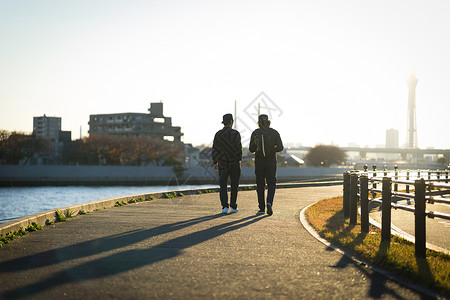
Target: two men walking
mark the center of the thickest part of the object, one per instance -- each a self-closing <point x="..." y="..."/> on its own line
<point x="227" y="155"/>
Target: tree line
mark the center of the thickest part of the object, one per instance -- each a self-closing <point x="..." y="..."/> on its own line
<point x="16" y="147"/>
<point x="19" y="147"/>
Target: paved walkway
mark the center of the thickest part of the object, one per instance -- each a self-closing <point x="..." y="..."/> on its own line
<point x="437" y="229"/>
<point x="182" y="248"/>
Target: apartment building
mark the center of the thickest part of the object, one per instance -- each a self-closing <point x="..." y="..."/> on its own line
<point x="47" y="127"/>
<point x="152" y="125"/>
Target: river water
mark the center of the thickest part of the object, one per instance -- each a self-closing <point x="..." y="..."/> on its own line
<point x="17" y="202"/>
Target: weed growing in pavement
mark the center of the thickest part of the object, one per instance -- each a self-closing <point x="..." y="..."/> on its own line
<point x="59" y="216"/>
<point x="69" y="213"/>
<point x="33" y="227"/>
<point x="82" y="212"/>
<point x="172" y="195"/>
<point x="119" y="203"/>
<point x="327" y="218"/>
<point x="141" y="199"/>
<point x="13" y="235"/>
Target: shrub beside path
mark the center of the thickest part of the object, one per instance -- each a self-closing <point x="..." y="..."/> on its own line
<point x="183" y="248"/>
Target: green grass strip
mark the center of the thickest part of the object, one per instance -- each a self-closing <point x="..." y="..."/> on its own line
<point x="327" y="218"/>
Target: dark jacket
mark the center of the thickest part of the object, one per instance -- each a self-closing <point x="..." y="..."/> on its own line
<point x="265" y="143"/>
<point x="227" y="145"/>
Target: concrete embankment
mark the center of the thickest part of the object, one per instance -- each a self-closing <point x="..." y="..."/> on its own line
<point x="12" y="175"/>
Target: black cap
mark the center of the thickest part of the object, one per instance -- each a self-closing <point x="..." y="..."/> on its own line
<point x="263" y="118"/>
<point x="227" y="118"/>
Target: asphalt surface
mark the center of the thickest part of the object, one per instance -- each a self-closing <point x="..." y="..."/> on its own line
<point x="183" y="248"/>
<point x="437" y="229"/>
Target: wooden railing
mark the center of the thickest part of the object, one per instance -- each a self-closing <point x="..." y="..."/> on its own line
<point x="429" y="187"/>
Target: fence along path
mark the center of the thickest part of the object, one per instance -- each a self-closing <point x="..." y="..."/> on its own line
<point x="434" y="189"/>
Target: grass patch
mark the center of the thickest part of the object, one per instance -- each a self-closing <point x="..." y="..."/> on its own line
<point x="10" y="236"/>
<point x="118" y="203"/>
<point x="327" y="218"/>
<point x="59" y="216"/>
<point x="69" y="213"/>
<point x="246" y="188"/>
<point x="173" y="195"/>
<point x="33" y="227"/>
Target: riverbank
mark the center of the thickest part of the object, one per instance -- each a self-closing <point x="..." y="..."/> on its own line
<point x="40" y="218"/>
<point x="183" y="247"/>
<point x="49" y="175"/>
<point x="16" y="202"/>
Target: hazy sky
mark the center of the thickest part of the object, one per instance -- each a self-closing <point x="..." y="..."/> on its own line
<point x="333" y="71"/>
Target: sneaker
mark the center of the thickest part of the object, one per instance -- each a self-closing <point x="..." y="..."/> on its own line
<point x="225" y="210"/>
<point x="269" y="209"/>
<point x="234" y="210"/>
<point x="260" y="212"/>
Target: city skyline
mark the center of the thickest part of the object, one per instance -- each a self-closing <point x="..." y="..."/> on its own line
<point x="335" y="73"/>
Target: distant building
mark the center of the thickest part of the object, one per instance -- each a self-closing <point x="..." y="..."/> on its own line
<point x="153" y="125"/>
<point x="192" y="154"/>
<point x="205" y="156"/>
<point x="392" y="138"/>
<point x="47" y="127"/>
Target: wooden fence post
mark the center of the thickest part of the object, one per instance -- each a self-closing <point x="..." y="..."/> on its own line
<point x="374" y="185"/>
<point x="396" y="178"/>
<point x="353" y="198"/>
<point x="419" y="216"/>
<point x="364" y="182"/>
<point x="407" y="178"/>
<point x="386" y="210"/>
<point x="346" y="200"/>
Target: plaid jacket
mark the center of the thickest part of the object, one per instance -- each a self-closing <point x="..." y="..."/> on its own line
<point x="227" y="145"/>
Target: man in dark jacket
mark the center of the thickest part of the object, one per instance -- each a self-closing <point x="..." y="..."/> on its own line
<point x="227" y="156"/>
<point x="265" y="142"/>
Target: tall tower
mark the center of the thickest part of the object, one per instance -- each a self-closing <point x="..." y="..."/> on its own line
<point x="411" y="126"/>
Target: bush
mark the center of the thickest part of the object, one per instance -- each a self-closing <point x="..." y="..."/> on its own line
<point x="325" y="155"/>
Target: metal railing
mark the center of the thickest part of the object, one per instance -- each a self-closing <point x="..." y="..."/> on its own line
<point x="430" y="186"/>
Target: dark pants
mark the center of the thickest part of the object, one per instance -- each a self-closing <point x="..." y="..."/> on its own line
<point x="265" y="171"/>
<point x="232" y="170"/>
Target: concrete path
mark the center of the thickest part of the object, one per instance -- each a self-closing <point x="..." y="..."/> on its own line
<point x="183" y="248"/>
<point x="437" y="230"/>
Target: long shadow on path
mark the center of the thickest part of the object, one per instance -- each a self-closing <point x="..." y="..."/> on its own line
<point x="378" y="288"/>
<point x="94" y="247"/>
<point x="131" y="259"/>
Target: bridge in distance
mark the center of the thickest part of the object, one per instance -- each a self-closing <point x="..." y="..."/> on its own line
<point x="416" y="153"/>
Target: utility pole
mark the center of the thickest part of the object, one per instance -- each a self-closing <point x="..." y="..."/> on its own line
<point x="235" y="114"/>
